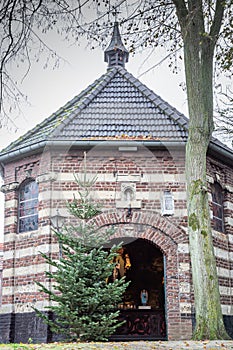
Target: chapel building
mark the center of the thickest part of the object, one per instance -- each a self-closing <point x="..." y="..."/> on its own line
<point x="134" y="142"/>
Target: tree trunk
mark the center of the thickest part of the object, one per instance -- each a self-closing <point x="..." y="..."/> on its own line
<point x="198" y="53"/>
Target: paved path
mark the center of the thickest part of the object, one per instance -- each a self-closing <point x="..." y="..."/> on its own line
<point x="137" y="345"/>
<point x="170" y="345"/>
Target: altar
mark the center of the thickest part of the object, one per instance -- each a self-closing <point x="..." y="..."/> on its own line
<point x="141" y="324"/>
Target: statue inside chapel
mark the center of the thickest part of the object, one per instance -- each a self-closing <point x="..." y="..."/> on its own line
<point x="144" y="297"/>
<point x="122" y="264"/>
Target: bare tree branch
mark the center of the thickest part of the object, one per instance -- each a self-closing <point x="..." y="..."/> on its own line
<point x="217" y="22"/>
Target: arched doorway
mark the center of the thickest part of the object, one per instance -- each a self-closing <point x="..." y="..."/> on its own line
<point x="143" y="319"/>
<point x="172" y="241"/>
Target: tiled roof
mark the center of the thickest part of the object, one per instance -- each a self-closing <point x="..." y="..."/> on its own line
<point x="115" y="106"/>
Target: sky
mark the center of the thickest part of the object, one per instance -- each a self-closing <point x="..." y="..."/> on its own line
<point x="49" y="89"/>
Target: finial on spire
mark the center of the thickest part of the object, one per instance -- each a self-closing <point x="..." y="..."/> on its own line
<point x="116" y="54"/>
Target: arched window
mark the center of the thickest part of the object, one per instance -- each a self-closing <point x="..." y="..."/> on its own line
<point x="217" y="204"/>
<point x="28" y="207"/>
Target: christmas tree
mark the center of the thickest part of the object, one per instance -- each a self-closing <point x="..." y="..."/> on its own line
<point x="83" y="302"/>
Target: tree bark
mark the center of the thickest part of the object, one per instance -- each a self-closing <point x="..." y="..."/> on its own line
<point x="199" y="55"/>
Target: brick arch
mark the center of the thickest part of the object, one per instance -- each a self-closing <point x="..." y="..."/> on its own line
<point x="172" y="235"/>
<point x="166" y="236"/>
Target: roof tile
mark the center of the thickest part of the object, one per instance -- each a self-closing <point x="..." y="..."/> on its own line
<point x="115" y="104"/>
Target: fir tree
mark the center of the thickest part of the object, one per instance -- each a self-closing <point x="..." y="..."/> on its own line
<point x="84" y="304"/>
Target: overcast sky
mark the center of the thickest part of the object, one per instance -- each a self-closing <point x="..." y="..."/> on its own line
<point x="49" y="89"/>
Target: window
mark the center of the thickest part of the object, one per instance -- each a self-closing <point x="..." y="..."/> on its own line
<point x="167" y="203"/>
<point x="217" y="203"/>
<point x="28" y="207"/>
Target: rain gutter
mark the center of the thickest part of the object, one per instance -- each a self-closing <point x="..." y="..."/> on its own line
<point x="35" y="148"/>
<point x="214" y="148"/>
<point x="218" y="150"/>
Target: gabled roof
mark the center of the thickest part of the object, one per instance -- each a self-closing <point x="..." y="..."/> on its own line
<point x="116" y="106"/>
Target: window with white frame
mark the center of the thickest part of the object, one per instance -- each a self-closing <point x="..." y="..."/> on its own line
<point x="167" y="203"/>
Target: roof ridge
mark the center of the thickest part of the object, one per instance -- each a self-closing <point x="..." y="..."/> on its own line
<point x="103" y="81"/>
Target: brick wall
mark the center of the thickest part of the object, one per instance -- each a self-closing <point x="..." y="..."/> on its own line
<point x="223" y="242"/>
<point x="1" y="268"/>
<point x="149" y="174"/>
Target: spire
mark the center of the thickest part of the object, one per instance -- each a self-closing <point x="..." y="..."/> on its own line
<point x="116" y="54"/>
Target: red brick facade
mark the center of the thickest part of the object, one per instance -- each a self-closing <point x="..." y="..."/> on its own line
<point x="148" y="175"/>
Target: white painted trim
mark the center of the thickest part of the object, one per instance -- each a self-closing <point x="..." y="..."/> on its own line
<point x="31" y="251"/>
<point x="12" y="203"/>
<point x="183" y="248"/>
<point x="229" y="188"/>
<point x="140" y="195"/>
<point x="11" y="220"/>
<point x="11" y="237"/>
<point x="227" y="309"/>
<point x="223" y="272"/>
<point x="228" y="220"/>
<point x="184" y="287"/>
<point x="183" y="267"/>
<point x="226" y="290"/>
<point x="228" y="205"/>
<point x="23" y="289"/>
<point x="25" y="270"/>
<point x="223" y="254"/>
<point x="185" y="307"/>
<point x="109" y="177"/>
<point x="23" y="308"/>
